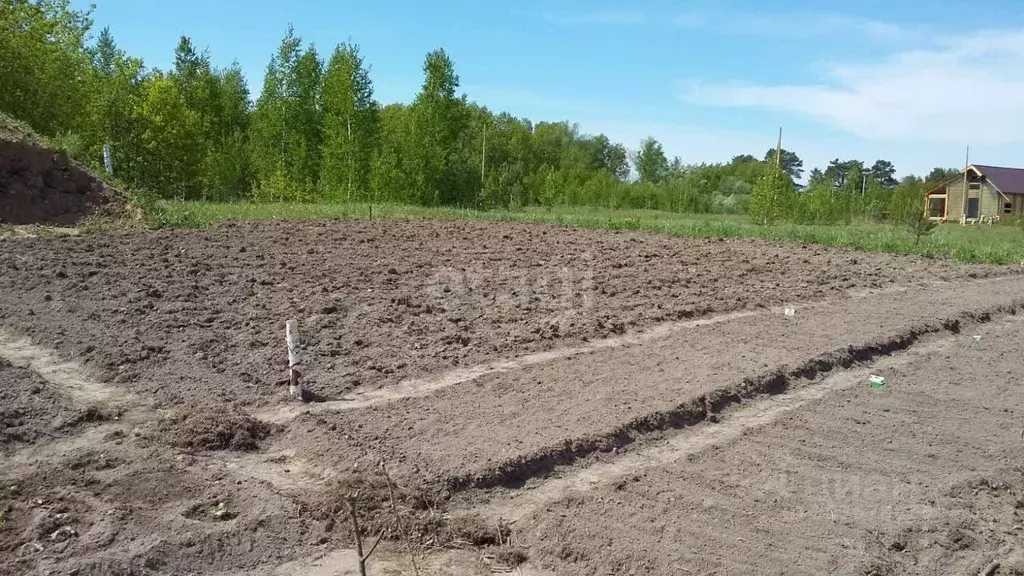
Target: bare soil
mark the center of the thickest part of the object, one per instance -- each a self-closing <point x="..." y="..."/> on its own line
<point x="501" y="396"/>
<point x="923" y="476"/>
<point x="33" y="409"/>
<point x="170" y="314"/>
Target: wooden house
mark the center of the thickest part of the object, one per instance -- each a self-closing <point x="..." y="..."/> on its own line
<point x="977" y="194"/>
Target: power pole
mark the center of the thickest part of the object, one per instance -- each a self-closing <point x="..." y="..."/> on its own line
<point x="483" y="158"/>
<point x="967" y="164"/>
<point x="351" y="164"/>
<point x="778" y="151"/>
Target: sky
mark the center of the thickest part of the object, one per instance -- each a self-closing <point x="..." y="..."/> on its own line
<point x="911" y="82"/>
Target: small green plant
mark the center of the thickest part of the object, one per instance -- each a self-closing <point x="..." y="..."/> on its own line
<point x="921" y="226"/>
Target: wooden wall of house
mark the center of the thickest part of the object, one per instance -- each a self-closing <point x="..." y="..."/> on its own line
<point x="991" y="202"/>
<point x="955" y="199"/>
<point x="1017" y="205"/>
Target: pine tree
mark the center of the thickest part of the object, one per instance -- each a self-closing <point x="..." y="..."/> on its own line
<point x="350" y="125"/>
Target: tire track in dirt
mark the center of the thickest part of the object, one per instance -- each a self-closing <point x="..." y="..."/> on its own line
<point x="279" y="469"/>
<point x="343" y="562"/>
<point x="71" y="376"/>
<point x="74" y="381"/>
<point x="513" y="505"/>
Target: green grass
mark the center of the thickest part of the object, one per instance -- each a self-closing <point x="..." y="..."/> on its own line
<point x="990" y="244"/>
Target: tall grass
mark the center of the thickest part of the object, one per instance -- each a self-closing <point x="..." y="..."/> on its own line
<point x="990" y="244"/>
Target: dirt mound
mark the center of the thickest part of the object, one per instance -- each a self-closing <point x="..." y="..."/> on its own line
<point x="41" y="186"/>
<point x="217" y="428"/>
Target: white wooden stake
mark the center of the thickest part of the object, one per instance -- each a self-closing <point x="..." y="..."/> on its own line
<point x="291" y="334"/>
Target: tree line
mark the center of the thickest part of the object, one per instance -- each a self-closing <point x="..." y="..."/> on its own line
<point x="315" y="132"/>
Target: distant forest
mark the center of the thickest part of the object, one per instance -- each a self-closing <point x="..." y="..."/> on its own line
<point x="315" y="133"/>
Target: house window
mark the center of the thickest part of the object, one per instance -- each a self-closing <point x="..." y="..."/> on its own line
<point x="974" y="186"/>
<point x="1007" y="207"/>
<point x="936" y="207"/>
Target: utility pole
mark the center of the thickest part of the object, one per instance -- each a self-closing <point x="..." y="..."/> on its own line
<point x="778" y="151"/>
<point x="351" y="164"/>
<point x="483" y="158"/>
<point x="967" y="164"/>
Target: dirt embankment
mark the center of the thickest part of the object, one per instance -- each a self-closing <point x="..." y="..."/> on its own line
<point x="39" y="185"/>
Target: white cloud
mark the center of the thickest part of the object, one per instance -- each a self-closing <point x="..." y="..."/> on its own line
<point x="598" y="18"/>
<point x="965" y="89"/>
<point x="796" y="26"/>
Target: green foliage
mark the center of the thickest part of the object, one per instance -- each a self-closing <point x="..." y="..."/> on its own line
<point x="439" y="122"/>
<point x="820" y="204"/>
<point x="43" y="60"/>
<point x="907" y="202"/>
<point x="939" y="175"/>
<point x="315" y="134"/>
<point x="287" y="125"/>
<point x="789" y="162"/>
<point x="884" y="173"/>
<point x="117" y="109"/>
<point x="771" y="198"/>
<point x="170" y="140"/>
<point x="650" y="161"/>
<point x="350" y="126"/>
<point x="177" y="214"/>
<point x="71" y="145"/>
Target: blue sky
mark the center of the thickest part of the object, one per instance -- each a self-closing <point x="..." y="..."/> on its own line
<point x="908" y="81"/>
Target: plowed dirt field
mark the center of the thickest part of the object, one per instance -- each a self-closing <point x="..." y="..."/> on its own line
<point x="499" y="397"/>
